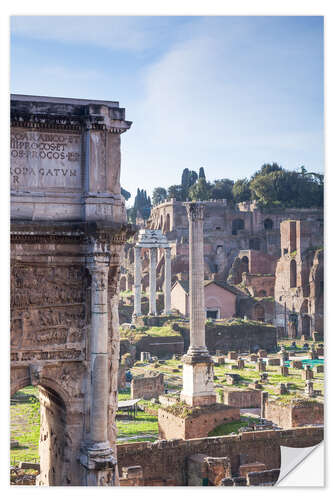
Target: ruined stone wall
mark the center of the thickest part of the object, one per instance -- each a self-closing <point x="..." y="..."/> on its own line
<point x="242" y="399"/>
<point x="199" y="425"/>
<point x="299" y="279"/>
<point x="147" y="387"/>
<point x="221" y="245"/>
<point x="295" y="415"/>
<point x="236" y="337"/>
<point x="160" y="346"/>
<point x="259" y="286"/>
<point x="167" y="460"/>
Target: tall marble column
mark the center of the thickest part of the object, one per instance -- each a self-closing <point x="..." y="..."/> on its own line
<point x="137" y="282"/>
<point x="97" y="456"/>
<point x="167" y="281"/>
<point x="152" y="281"/>
<point x="198" y="375"/>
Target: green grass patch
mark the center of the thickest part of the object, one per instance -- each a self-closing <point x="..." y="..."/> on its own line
<point x="225" y="429"/>
<point x="133" y="429"/>
<point x="25" y="425"/>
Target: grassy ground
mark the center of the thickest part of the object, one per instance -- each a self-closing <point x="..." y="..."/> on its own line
<point x="225" y="429"/>
<point x="24" y="420"/>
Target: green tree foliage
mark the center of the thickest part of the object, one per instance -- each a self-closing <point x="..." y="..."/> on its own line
<point x="241" y="190"/>
<point x="159" y="195"/>
<point x="200" y="191"/>
<point x="287" y="189"/>
<point x="125" y="194"/>
<point x="267" y="168"/>
<point x="178" y="192"/>
<point x="189" y="177"/>
<point x="141" y="208"/>
<point x="202" y="174"/>
<point x="222" y="189"/>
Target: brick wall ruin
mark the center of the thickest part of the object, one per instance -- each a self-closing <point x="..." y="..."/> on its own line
<point x="165" y="462"/>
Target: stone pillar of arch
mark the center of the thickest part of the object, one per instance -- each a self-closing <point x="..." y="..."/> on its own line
<point x="97" y="456"/>
<point x="137" y="282"/>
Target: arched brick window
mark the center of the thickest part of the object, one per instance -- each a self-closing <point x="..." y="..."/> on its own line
<point x="268" y="224"/>
<point x="237" y="225"/>
<point x="293" y="277"/>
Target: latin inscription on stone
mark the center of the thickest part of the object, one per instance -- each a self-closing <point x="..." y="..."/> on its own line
<point x="49" y="160"/>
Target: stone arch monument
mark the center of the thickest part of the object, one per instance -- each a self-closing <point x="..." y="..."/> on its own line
<point x="68" y="229"/>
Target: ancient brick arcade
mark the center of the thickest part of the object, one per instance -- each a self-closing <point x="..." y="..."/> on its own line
<point x="68" y="228"/>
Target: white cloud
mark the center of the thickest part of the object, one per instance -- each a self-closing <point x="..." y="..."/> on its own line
<point x="132" y="33"/>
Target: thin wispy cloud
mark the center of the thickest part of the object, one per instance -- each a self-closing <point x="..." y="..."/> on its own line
<point x="227" y="93"/>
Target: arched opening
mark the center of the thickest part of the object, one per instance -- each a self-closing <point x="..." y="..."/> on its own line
<point x="131" y="255"/>
<point x="167" y="224"/>
<point x="237" y="225"/>
<point x="306" y="324"/>
<point x="245" y="264"/>
<point x="293" y="277"/>
<point x="122" y="284"/>
<point x="38" y="434"/>
<point x="259" y="313"/>
<point x="268" y="224"/>
<point x="161" y="223"/>
<point x="254" y="244"/>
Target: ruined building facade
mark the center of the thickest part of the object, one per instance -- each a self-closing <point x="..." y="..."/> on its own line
<point x="68" y="229"/>
<point x="299" y="287"/>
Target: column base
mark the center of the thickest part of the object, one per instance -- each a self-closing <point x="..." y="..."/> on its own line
<point x="198" y="381"/>
<point x="99" y="463"/>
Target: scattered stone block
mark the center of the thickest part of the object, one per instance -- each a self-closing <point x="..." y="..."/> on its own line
<point x="232" y="355"/>
<point x="262" y="353"/>
<point x="232" y="378"/>
<point x="253" y="357"/>
<point x="264" y="377"/>
<point x="296" y="364"/>
<point x="309" y="388"/>
<point x="307" y="374"/>
<point x="273" y="361"/>
<point x="282" y="389"/>
<point x="261" y="365"/>
<point x="240" y="364"/>
<point x="284" y="371"/>
<point x="255" y="385"/>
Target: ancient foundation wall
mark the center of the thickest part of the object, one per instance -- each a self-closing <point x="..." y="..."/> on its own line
<point x="242" y="399"/>
<point x="160" y="346"/>
<point x="147" y="387"/>
<point x="304" y="413"/>
<point x="166" y="461"/>
<point x="238" y="337"/>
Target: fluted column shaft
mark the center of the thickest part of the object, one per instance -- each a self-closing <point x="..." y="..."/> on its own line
<point x="137" y="281"/>
<point x="167" y="281"/>
<point x="152" y="281"/>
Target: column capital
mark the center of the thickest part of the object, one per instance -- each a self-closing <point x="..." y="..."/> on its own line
<point x="195" y="210"/>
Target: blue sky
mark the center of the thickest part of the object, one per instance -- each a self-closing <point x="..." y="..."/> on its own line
<point x="226" y="93"/>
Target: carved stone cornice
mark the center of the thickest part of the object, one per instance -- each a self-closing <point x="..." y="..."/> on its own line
<point x="42" y="232"/>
